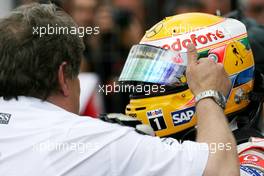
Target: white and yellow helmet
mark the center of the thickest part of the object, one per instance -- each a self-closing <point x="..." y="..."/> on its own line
<point x="160" y="59"/>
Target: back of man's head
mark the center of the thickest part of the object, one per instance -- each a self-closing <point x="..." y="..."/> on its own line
<point x="34" y="42"/>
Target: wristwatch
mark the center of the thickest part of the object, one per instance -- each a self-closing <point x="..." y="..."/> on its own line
<point x="217" y="96"/>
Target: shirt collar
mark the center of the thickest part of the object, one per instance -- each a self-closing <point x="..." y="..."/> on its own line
<point x="31" y="102"/>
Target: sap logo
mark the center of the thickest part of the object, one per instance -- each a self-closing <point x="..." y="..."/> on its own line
<point x="154" y="113"/>
<point x="183" y="116"/>
<point x="4" y="118"/>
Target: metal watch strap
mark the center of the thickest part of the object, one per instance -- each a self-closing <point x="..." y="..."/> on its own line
<point x="218" y="97"/>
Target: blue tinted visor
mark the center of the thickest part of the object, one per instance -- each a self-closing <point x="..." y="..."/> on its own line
<point x="156" y="65"/>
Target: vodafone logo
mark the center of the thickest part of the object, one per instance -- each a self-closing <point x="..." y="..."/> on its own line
<point x="202" y="39"/>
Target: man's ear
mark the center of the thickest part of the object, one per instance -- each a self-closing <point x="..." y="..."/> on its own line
<point x="63" y="82"/>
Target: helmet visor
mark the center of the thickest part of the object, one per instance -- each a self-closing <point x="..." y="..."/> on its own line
<point x="156" y="65"/>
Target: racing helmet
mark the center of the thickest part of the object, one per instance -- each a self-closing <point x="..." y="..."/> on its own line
<point x="160" y="61"/>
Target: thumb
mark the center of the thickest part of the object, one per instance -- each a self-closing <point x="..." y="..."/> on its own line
<point x="192" y="54"/>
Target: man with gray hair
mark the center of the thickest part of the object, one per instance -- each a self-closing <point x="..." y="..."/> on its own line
<point x="42" y="133"/>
